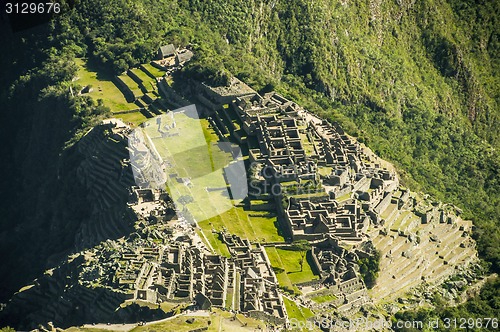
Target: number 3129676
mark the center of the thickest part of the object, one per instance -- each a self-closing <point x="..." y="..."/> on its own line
<point x="33" y="8"/>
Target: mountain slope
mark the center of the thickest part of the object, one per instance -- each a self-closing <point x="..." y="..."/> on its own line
<point x="413" y="80"/>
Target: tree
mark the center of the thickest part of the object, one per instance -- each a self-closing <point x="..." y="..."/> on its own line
<point x="302" y="246"/>
<point x="369" y="267"/>
<point x="278" y="270"/>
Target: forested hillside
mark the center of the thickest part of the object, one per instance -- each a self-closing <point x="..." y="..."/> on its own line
<point x="417" y="81"/>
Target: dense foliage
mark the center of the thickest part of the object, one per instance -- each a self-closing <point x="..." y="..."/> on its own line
<point x="369" y="268"/>
<point x="417" y="81"/>
<point x="480" y="308"/>
<point x="41" y="116"/>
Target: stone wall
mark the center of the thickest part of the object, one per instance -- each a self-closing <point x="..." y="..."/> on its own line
<point x="267" y="317"/>
<point x="129" y="95"/>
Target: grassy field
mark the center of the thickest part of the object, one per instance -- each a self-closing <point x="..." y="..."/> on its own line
<point x="216" y="243"/>
<point x="299" y="315"/>
<point x="135" y="118"/>
<point x="322" y="298"/>
<point x="174" y="307"/>
<point x="216" y="321"/>
<point x="265" y="226"/>
<point x="324" y="170"/>
<point x="234" y="221"/>
<point x="297" y="311"/>
<point x="178" y="324"/>
<point x="252" y="225"/>
<point x="200" y="159"/>
<point x="83" y="329"/>
<point x="217" y="159"/>
<point x="289" y="262"/>
<point x="103" y="87"/>
<point x="195" y="163"/>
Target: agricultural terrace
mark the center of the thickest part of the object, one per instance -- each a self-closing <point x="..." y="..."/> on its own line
<point x="138" y="82"/>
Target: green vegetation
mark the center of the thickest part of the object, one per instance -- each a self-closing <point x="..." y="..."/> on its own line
<point x="131" y="84"/>
<point x="232" y="221"/>
<point x="135" y="118"/>
<point x="103" y="87"/>
<point x="153" y="70"/>
<point x="302" y="246"/>
<point x="486" y="304"/>
<point x="323" y="298"/>
<point x="416" y="81"/>
<point x="287" y="265"/>
<point x="176" y="324"/>
<point x="251" y="225"/>
<point x="195" y="173"/>
<point x="218" y="321"/>
<point x="148" y="82"/>
<point x="297" y="311"/>
<point x="266" y="226"/>
<point x="215" y="241"/>
<point x="199" y="164"/>
<point x="369" y="267"/>
<point x="217" y="159"/>
<point x="83" y="329"/>
<point x="418" y="92"/>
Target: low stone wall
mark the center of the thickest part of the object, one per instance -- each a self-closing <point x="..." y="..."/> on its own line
<point x="127" y="112"/>
<point x="145" y="70"/>
<point x="129" y="95"/>
<point x="148" y="99"/>
<point x="200" y="329"/>
<point x="266" y="317"/>
<point x="157" y="66"/>
<point x="342" y="192"/>
<point x="308" y="237"/>
<point x="210" y="105"/>
<point x="310" y="283"/>
<point x="384" y="203"/>
<point x="138" y="81"/>
<point x="261" y="207"/>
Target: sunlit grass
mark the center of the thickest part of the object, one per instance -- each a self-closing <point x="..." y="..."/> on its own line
<point x="289" y="261"/>
<point x="103" y="87"/>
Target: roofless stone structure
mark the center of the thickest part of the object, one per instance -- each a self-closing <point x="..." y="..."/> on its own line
<point x="325" y="187"/>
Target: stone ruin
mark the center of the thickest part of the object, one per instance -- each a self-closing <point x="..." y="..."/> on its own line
<point x="325" y="184"/>
<point x="326" y="187"/>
